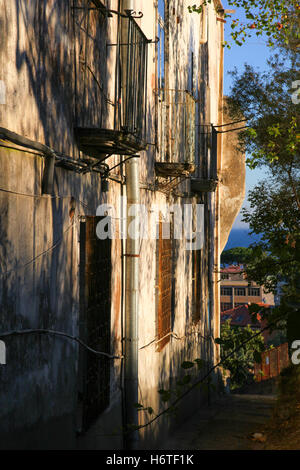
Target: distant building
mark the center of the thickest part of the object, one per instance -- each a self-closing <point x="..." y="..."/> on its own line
<point x="236" y="290"/>
<point x="240" y="317"/>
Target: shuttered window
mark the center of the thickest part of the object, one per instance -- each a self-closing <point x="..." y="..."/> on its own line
<point x="254" y="291"/>
<point x="95" y="300"/>
<point x="241" y="291"/>
<point x="196" y="285"/>
<point x="164" y="308"/>
<point x="226" y="290"/>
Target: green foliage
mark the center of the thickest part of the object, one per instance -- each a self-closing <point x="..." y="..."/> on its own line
<point x="244" y="349"/>
<point x="165" y="395"/>
<point x="200" y="363"/>
<point x="182" y="384"/>
<point x="273" y="141"/>
<point x="187" y="365"/>
<point x="142" y="408"/>
<point x="138" y="405"/>
<point x="277" y="19"/>
<point x="239" y="255"/>
<point x="265" y="100"/>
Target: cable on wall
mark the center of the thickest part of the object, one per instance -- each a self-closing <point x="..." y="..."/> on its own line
<point x="48" y="153"/>
<point x="57" y="333"/>
<point x="48" y="250"/>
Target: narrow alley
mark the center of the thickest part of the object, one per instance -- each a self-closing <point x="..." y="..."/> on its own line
<point x="225" y="425"/>
<point x="149" y="227"/>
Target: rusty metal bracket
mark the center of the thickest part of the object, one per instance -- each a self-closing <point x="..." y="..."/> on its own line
<point x="48" y="153"/>
<point x="128" y="13"/>
<point x="149" y="41"/>
<point x="153" y="41"/>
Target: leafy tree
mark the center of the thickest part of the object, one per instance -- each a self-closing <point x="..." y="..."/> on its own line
<point x="273" y="141"/>
<point x="266" y="101"/>
<point x="239" y="255"/>
<point x="278" y="20"/>
<point x="273" y="213"/>
<point x="241" y="362"/>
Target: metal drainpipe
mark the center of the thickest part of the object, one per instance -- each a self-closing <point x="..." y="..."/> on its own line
<point x="131" y="280"/>
<point x="131" y="306"/>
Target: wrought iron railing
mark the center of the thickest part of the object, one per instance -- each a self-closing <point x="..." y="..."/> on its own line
<point x="213" y="153"/>
<point x="207" y="152"/>
<point x="123" y="67"/>
<point x="176" y="126"/>
<point x="133" y="77"/>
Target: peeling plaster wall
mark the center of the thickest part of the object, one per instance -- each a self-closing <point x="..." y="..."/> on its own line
<point x="232" y="181"/>
<point x="41" y="65"/>
<point x="46" y="68"/>
<point x="162" y="369"/>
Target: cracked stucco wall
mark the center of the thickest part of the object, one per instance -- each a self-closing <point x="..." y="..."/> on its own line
<point x="232" y="181"/>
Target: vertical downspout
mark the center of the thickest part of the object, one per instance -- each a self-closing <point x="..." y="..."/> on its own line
<point x="131" y="305"/>
<point x="131" y="281"/>
<point x="217" y="330"/>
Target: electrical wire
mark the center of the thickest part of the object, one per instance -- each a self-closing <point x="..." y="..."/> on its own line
<point x="175" y="336"/>
<point x="48" y="250"/>
<point x="46" y="196"/>
<point x="107" y="100"/>
<point x="58" y="333"/>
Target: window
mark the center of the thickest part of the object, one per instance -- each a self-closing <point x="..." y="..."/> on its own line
<point x="225" y="306"/>
<point x="254" y="291"/>
<point x="226" y="290"/>
<point x="192" y="73"/>
<point x="164" y="277"/>
<point x="196" y="254"/>
<point x="161" y="45"/>
<point x="241" y="291"/>
<point x="224" y="276"/>
<point x="161" y="117"/>
<point x="94" y="323"/>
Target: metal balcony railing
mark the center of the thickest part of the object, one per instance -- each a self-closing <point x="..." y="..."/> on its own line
<point x="133" y="78"/>
<point x="127" y="135"/>
<point x="213" y="153"/>
<point x="176" y="126"/>
<point x="206" y="177"/>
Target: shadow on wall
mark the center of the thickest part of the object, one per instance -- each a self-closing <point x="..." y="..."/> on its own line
<point x="39" y="377"/>
<point x="170" y="373"/>
<point x="232" y="180"/>
<point x="64" y="52"/>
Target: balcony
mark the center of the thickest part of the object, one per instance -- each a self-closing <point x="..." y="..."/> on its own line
<point x="209" y="180"/>
<point x="176" y="133"/>
<point x="128" y="135"/>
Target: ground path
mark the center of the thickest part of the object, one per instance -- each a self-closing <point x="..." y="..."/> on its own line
<point x="225" y="425"/>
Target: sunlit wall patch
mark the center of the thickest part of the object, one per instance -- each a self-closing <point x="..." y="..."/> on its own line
<point x="2" y="92"/>
<point x="2" y="353"/>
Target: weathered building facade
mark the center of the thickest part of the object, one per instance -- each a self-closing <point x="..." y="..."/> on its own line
<point x="237" y="290"/>
<point x="95" y="110"/>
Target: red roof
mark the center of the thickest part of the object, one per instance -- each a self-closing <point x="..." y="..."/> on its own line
<point x="262" y="304"/>
<point x="240" y="316"/>
<point x="233" y="269"/>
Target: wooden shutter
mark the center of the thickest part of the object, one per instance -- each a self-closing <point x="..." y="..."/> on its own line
<point x="95" y="292"/>
<point x="164" y="288"/>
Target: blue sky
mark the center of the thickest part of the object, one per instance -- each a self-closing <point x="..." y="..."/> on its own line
<point x="253" y="52"/>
